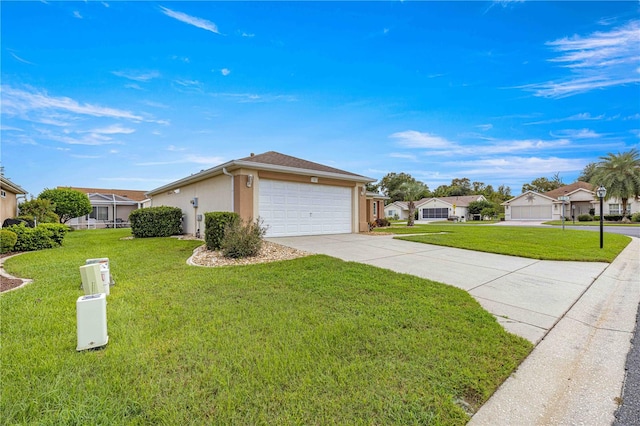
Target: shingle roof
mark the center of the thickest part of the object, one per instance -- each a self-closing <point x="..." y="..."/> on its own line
<point x="277" y="159"/>
<point x="12" y="187"/>
<point x="569" y="189"/>
<point x="460" y="201"/>
<point x="127" y="193"/>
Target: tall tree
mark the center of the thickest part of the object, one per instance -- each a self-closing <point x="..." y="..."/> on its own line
<point x="68" y="203"/>
<point x="543" y="184"/>
<point x="587" y="172"/>
<point x="412" y="192"/>
<point x="620" y="175"/>
<point x="391" y="185"/>
<point x="41" y="209"/>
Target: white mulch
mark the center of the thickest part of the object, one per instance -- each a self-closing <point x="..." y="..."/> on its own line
<point x="271" y="252"/>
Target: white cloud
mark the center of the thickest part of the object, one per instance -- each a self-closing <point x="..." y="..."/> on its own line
<point x="600" y="60"/>
<point x="188" y="83"/>
<point x="174" y="148"/>
<point x="577" y="134"/>
<point x="523" y="167"/>
<point x="576" y="117"/>
<point x="112" y="130"/>
<point x="225" y="71"/>
<point x="77" y="14"/>
<point x="22" y="101"/>
<point x="17" y="58"/>
<point x="191" y="20"/>
<point x="137" y="75"/>
<point x="415" y="139"/>
<point x="194" y="159"/>
<point x="403" y="156"/>
<point x="485" y="127"/>
<point x="244" y="34"/>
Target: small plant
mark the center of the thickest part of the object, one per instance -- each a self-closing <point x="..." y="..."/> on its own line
<point x="57" y="231"/>
<point x="243" y="239"/>
<point x="382" y="222"/>
<point x="8" y="240"/>
<point x="215" y="224"/>
<point x="585" y="218"/>
<point x="635" y="217"/>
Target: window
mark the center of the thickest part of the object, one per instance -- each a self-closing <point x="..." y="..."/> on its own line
<point x="99" y="213"/>
<point x="617" y="209"/>
<point x="391" y="212"/>
<point x="375" y="208"/>
<point x="3" y="194"/>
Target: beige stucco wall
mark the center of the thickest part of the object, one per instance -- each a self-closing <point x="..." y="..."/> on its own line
<point x="214" y="195"/>
<point x="8" y="206"/>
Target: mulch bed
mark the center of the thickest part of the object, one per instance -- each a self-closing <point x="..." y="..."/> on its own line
<point x="7" y="283"/>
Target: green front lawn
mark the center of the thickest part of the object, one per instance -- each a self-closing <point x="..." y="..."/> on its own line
<point x="532" y="242"/>
<point x="589" y="223"/>
<point x="309" y="341"/>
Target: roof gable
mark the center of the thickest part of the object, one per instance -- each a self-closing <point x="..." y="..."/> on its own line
<point x="10" y="186"/>
<point x="277" y="159"/>
<point x="567" y="189"/>
<point x="129" y="194"/>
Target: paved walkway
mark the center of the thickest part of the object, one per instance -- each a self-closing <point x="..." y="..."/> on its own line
<point x="580" y="315"/>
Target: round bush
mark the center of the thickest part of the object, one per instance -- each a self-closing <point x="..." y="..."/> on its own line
<point x="585" y="218"/>
<point x="635" y="217"/>
<point x="8" y="240"/>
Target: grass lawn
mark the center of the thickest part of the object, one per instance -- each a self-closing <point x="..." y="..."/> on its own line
<point x="308" y="341"/>
<point x="590" y="223"/>
<point x="536" y="243"/>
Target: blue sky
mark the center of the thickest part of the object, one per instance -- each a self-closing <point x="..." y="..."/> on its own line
<point x="134" y="95"/>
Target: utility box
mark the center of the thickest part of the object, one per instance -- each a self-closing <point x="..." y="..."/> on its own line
<point x="92" y="279"/>
<point x="105" y="273"/>
<point x="91" y="312"/>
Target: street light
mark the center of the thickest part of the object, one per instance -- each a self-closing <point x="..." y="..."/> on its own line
<point x="601" y="192"/>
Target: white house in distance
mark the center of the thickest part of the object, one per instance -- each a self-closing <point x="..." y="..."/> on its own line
<point x="582" y="198"/>
<point x="434" y="208"/>
<point x="291" y="195"/>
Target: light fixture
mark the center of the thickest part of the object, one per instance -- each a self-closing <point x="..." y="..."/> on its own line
<point x="249" y="181"/>
<point x="601" y="192"/>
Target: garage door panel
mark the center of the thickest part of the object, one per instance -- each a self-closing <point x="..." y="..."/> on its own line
<point x="531" y="212"/>
<point x="290" y="208"/>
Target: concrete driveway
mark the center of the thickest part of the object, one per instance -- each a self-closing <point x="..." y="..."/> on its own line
<point x="527" y="296"/>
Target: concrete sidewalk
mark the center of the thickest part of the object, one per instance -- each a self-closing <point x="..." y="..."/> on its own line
<point x="576" y="371"/>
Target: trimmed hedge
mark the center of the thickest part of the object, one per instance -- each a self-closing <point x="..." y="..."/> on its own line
<point x="156" y="222"/>
<point x="8" y="240"/>
<point x="30" y="239"/>
<point x="215" y="224"/>
<point x="585" y="218"/>
<point x="57" y="231"/>
<point x="635" y="217"/>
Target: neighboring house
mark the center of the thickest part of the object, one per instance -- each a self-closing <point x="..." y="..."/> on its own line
<point x="291" y="195"/>
<point x="110" y="207"/>
<point x="435" y="208"/>
<point x="397" y="209"/>
<point x="582" y="199"/>
<point x="9" y="193"/>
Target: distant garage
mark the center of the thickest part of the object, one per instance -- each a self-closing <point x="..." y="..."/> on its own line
<point x="293" y="208"/>
<point x="531" y="212"/>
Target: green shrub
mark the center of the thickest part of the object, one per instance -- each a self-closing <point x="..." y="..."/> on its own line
<point x="30" y="239"/>
<point x="28" y="221"/>
<point x="383" y="222"/>
<point x="156" y="222"/>
<point x="585" y="218"/>
<point x="596" y="217"/>
<point x="214" y="226"/>
<point x="635" y="217"/>
<point x="57" y="231"/>
<point x="613" y="217"/>
<point x="243" y="239"/>
<point x="8" y="240"/>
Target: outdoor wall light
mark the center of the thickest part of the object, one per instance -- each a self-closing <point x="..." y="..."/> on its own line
<point x="249" y="181"/>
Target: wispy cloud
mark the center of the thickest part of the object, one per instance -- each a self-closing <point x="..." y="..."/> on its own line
<point x="112" y="130"/>
<point x="77" y="14"/>
<point x="137" y="75"/>
<point x="403" y="156"/>
<point x="188" y="83"/>
<point x="576" y="117"/>
<point x="597" y="61"/>
<point x="245" y="34"/>
<point x="22" y="101"/>
<point x="191" y="20"/>
<point x="194" y="159"/>
<point x="18" y="58"/>
<point x="415" y="139"/>
<point x="576" y="134"/>
<point x="255" y="98"/>
<point x="225" y="71"/>
<point x="485" y="127"/>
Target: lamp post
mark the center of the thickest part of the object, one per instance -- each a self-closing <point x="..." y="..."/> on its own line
<point x="601" y="192"/>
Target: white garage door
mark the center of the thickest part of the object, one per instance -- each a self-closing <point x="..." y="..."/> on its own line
<point x="531" y="212"/>
<point x="290" y="208"/>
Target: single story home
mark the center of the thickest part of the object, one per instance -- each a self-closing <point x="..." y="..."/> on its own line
<point x="110" y="208"/>
<point x="9" y="193"/>
<point x="291" y="195"/>
<point x="581" y="199"/>
<point x="375" y="206"/>
<point x="434" y="208"/>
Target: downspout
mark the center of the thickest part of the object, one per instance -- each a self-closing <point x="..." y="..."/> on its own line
<point x="224" y="170"/>
<point x="114" y="210"/>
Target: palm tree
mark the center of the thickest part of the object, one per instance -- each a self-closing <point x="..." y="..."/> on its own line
<point x="620" y="175"/>
<point x="412" y="192"/>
